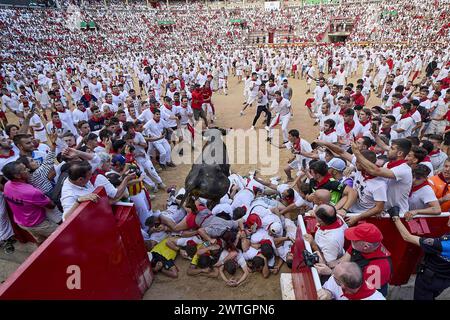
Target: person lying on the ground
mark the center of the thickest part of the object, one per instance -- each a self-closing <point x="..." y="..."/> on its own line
<point x="163" y="259"/>
<point x="290" y="200"/>
<point x="203" y="261"/>
<point x="229" y="261"/>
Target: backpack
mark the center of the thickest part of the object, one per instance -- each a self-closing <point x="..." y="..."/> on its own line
<point x="55" y="195"/>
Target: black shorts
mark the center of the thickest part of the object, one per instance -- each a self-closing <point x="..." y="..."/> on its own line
<point x="167" y="264"/>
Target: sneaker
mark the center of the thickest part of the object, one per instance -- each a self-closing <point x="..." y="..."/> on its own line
<point x="252" y="128"/>
<point x="155" y="189"/>
<point x="269" y="139"/>
<point x="242" y="113"/>
<point x="152" y="196"/>
<point x="171" y="164"/>
<point x="267" y="128"/>
<point x="163" y="166"/>
<point x="162" y="185"/>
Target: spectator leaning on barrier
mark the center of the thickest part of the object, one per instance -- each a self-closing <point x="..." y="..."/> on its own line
<point x="348" y="283"/>
<point x="433" y="276"/>
<point x="27" y="203"/>
<point x="369" y="253"/>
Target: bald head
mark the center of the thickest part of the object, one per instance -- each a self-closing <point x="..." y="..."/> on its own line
<point x="322" y="196"/>
<point x="326" y="214"/>
<point x="350" y="276"/>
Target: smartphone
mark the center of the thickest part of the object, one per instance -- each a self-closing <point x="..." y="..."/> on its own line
<point x="374" y="127"/>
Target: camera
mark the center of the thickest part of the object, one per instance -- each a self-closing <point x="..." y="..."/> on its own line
<point x="394" y="211"/>
<point x="135" y="169"/>
<point x="309" y="258"/>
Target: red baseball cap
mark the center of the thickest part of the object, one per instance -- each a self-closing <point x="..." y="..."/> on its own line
<point x="364" y="232"/>
<point x="252" y="219"/>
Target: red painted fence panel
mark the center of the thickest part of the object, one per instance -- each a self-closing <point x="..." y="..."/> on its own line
<point x="95" y="243"/>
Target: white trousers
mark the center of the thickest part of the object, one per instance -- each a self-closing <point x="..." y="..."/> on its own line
<point x="284" y="120"/>
<point x="164" y="150"/>
<point x="147" y="166"/>
<point x="142" y="207"/>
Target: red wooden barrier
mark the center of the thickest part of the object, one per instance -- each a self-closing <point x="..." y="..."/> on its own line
<point x="92" y="255"/>
<point x="405" y="256"/>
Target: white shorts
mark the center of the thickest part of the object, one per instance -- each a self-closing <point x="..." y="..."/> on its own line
<point x="239" y="72"/>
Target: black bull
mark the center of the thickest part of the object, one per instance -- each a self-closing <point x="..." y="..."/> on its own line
<point x="208" y="177"/>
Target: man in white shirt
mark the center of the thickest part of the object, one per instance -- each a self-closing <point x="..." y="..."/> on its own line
<point x="77" y="188"/>
<point x="320" y="93"/>
<point x="253" y="89"/>
<point x="329" y="238"/>
<point x="406" y="122"/>
<point x="347" y="283"/>
<point x="282" y="108"/>
<point x="155" y="130"/>
<point x="397" y="173"/>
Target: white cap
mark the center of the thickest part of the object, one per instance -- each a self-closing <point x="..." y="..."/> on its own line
<point x="182" y="191"/>
<point x="276" y="228"/>
<point x="337" y="164"/>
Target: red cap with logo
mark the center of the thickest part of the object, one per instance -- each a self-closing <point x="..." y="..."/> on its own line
<point x="364" y="232"/>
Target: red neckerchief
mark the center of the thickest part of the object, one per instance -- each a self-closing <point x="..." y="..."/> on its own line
<point x="395" y="163"/>
<point x="362" y="293"/>
<point x="129" y="158"/>
<point x="324" y="180"/>
<point x="158" y="120"/>
<point x="349" y="127"/>
<point x="57" y="124"/>
<point x="63" y="111"/>
<point x="118" y="94"/>
<point x="74" y="88"/>
<point x="335" y="225"/>
<point x="327" y="133"/>
<point x="367" y="176"/>
<point x="420" y="186"/>
<point x="423" y="99"/>
<point x="297" y="146"/>
<point x="168" y="107"/>
<point x="397" y="105"/>
<point x="289" y="200"/>
<point x="265" y="241"/>
<point x="95" y="119"/>
<point x="173" y="90"/>
<point x="432" y="153"/>
<point x="385" y="130"/>
<point x="363" y="123"/>
<point x="406" y="115"/>
<point x="426" y="159"/>
<point x="176" y="103"/>
<point x="82" y="109"/>
<point x="108" y="115"/>
<point x="101" y="144"/>
<point x="272" y="85"/>
<point x="10" y="154"/>
<point x="87" y="97"/>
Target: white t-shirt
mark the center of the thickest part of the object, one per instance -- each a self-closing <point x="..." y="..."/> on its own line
<point x="399" y="188"/>
<point x="337" y="293"/>
<point x="298" y="200"/>
<point x="369" y="191"/>
<point x="331" y="241"/>
<point x="419" y="199"/>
